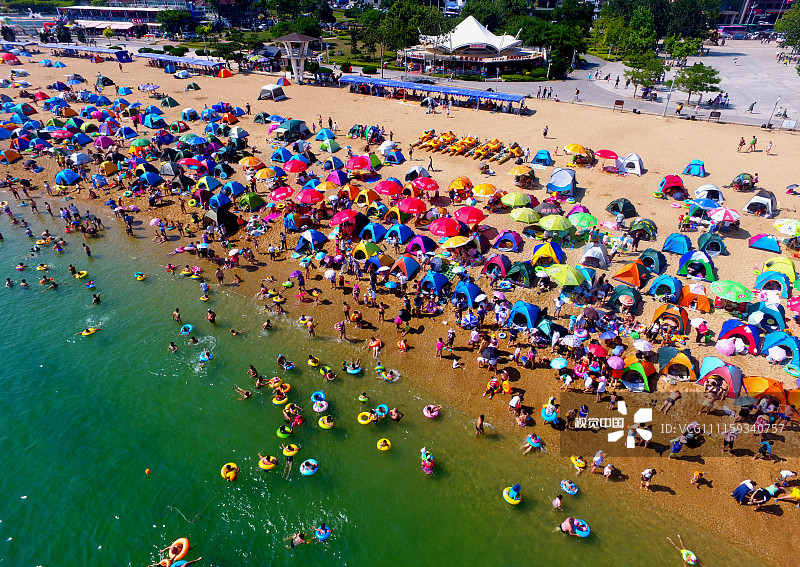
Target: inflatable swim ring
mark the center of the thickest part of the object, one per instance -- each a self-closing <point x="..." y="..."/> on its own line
<point x="792" y="370"/>
<point x="186" y="272"/>
<point x="284" y="388"/>
<point x="322" y="535"/>
<point x="229" y="475"/>
<point x="581" y="528"/>
<point x="502" y="335"/>
<point x="42" y="267"/>
<point x="363" y="398"/>
<point x="186" y="329"/>
<point x="322" y="424"/>
<point x="305" y="471"/>
<point x="272" y="293"/>
<point x="313" y="361"/>
<point x="183" y="543"/>
<point x="379" y="368"/>
<point x="287" y="284"/>
<point x="139" y="276"/>
<point x="382" y="410"/>
<point x="3" y="204"/>
<point x="318" y="396"/>
<point x="353" y="370"/>
<point x="582" y="334"/>
<point x="675" y="205"/>
<point x="278" y="299"/>
<point x="569" y="487"/>
<point x="386" y="447"/>
<point x="364" y="418"/>
<point x="291" y="450"/>
<point x="81" y="275"/>
<point x="127" y="194"/>
<point x="430" y="414"/>
<point x="320" y="406"/>
<point x="689" y="558"/>
<point x="90" y="285"/>
<point x="89" y="331"/>
<point x="575" y="460"/>
<point x="549" y="417"/>
<point x="43" y="241"/>
<point x="659" y="195"/>
<point x="204" y="298"/>
<point x="271" y="463"/>
<point x="192" y="203"/>
<point x="206" y="357"/>
<point x="508" y="498"/>
<point x="284" y="431"/>
<point x="534" y="441"/>
<point x="324" y="370"/>
<point x="279" y="402"/>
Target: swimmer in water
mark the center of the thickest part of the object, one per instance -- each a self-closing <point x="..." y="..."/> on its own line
<point x="211" y="317"/>
<point x="252" y="372"/>
<point x="23" y="283"/>
<point x="267" y="325"/>
<point x="179" y="563"/>
<point x="557" y="503"/>
<point x="297" y="539"/>
<point x="176" y="315"/>
<point x="289" y="460"/>
<point x="72" y="270"/>
<point x="95" y="298"/>
<point x="89" y="331"/>
<point x="193" y="341"/>
<point x="243" y="394"/>
<point x="9" y="283"/>
<point x="235" y="333"/>
<point x="53" y="285"/>
<point x="689" y="558"/>
<point x="172" y="347"/>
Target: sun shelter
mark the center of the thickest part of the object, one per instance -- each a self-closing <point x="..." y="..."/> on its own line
<point x="736" y="329"/>
<point x="394" y="157"/>
<point x="696" y="264"/>
<point x="774" y="281"/>
<point x="251" y="202"/>
<point x="542" y="157"/>
<point x="330" y="146"/>
<point x="406" y="265"/>
<point x="634" y="273"/>
<point x="785" y="341"/>
<point x="709" y="191"/>
<point x="271" y="92"/>
<point x="232" y="188"/>
<point x="666" y="286"/>
<point x="636" y="374"/>
<point x="630" y="164"/>
<point x="782" y="265"/>
<point x="562" y="181"/>
<point x="218" y="201"/>
<point x="508" y="241"/>
<point x="401" y="232"/>
<point x="365" y="249"/>
<point x="433" y="282"/>
<point x="762" y="204"/>
<point x="764" y="242"/>
<point x="521" y="273"/>
<point x="624" y="295"/>
<point x="760" y="387"/>
<point x="595" y="255"/>
<point x="695" y="168"/>
<point x="672" y="186"/>
<point x="676" y="363"/>
<point x="291" y="130"/>
<point x="190" y="114"/>
<point x="224" y="218"/>
<point x="674" y="316"/>
<point x="622" y="205"/>
<point x="523" y="315"/>
<point x="654" y="260"/>
<point x="378" y="261"/>
<point x="373" y="231"/>
<point x="690" y="298"/>
<point x="711" y="243"/>
<point x="395" y="214"/>
<point x="677" y="243"/>
<point x="420" y="243"/>
<point x="547" y="253"/>
<point x="732" y="375"/>
<point x="468" y="292"/>
<point x="9" y="156"/>
<point x="767" y="316"/>
<point x="498" y="263"/>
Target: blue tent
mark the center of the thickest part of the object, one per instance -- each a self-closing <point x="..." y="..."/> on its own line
<point x="395" y="157"/>
<point x="677" y="243"/>
<point x="153" y="110"/>
<point x="67" y="177"/>
<point x="401" y="232"/>
<point x="127" y="132"/>
<point x="736" y="329"/>
<point x="324" y="134"/>
<point x="523" y="315"/>
<point x="332" y="162"/>
<point x="696" y="168"/>
<point x="153" y="121"/>
<point x="562" y="181"/>
<point x="785" y="341"/>
<point x="234" y="188"/>
<point x="151" y="178"/>
<point x="313" y="238"/>
<point x="767" y="316"/>
<point x="81" y="139"/>
<point x="190" y="114"/>
<point x="542" y="157"/>
<point x="169" y="69"/>
<point x="468" y="291"/>
<point x="373" y="231"/>
<point x="281" y="155"/>
<point x="774" y="280"/>
<point x="218" y="201"/>
<point x="765" y="242"/>
<point x="665" y="285"/>
<point x="209" y="115"/>
<point x="433" y="282"/>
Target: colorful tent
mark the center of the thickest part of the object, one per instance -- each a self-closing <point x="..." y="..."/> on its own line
<point x="547" y="253"/>
<point x="630" y="164"/>
<point x="768" y="316"/>
<point x="711" y="243"/>
<point x="697" y="264"/>
<point x="521" y="273"/>
<point x="395" y="214"/>
<point x="636" y="374"/>
<point x="365" y="249"/>
<point x="379" y="261"/>
<point x="625" y="295"/>
<point x="774" y="281"/>
<point x="787" y="342"/>
<point x="406" y="265"/>
<point x="523" y="315"/>
<point x="420" y="243"/>
<point x="467" y="291"/>
<point x="542" y="157"/>
<point x="508" y="240"/>
<point x="691" y="299"/>
<point x="677" y="243"/>
<point x="763" y="204"/>
<point x="714" y="367"/>
<point x="634" y="273"/>
<point x="666" y="286"/>
<point x="736" y="329"/>
<point x="759" y="387"/>
<point x="696" y="168"/>
<point x="765" y="242"/>
<point x="672" y="185"/>
<point x="675" y="315"/>
<point x="373" y="231"/>
<point x="676" y="362"/>
<point x="498" y="263"/>
<point x="782" y="265"/>
<point x="401" y="232"/>
<point x="222" y="200"/>
<point x="433" y="282"/>
<point x="654" y="260"/>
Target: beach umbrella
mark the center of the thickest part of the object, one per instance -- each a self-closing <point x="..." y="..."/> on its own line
<point x="515" y="200"/>
<point x="598" y="350"/>
<point x="309" y="196"/>
<point x="608" y="335"/>
<point x="565" y="274"/>
<point x="731" y="290"/>
<point x="559" y="363"/>
<point x="425" y="184"/>
<point x="358" y="162"/>
<point x="140" y="143"/>
<point x="616" y="362"/>
<point x="330" y="275"/>
<point x="281" y="193"/>
<point x="724" y="214"/>
<point x="412" y="206"/>
<point x="575" y="149"/>
<point x="519" y="170"/>
<point x="469" y="215"/>
<point x="388" y="187"/>
<point x="445" y="227"/>
<point x="606" y="154"/>
<point x="346" y="215"/>
<point x="456" y="242"/>
<point x="295" y="166"/>
<point x="583" y="220"/>
<point x="642" y="345"/>
<point x="555" y="223"/>
<point x="788" y="226"/>
<point x="484" y="189"/>
<point x="490" y="353"/>
<point x="524" y="214"/>
<point x="251" y="161"/>
<point x="726" y="346"/>
<point x="572" y="341"/>
<point x="546" y="208"/>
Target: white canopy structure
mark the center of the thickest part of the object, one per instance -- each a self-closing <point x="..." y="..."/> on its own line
<point x="469" y="36"/>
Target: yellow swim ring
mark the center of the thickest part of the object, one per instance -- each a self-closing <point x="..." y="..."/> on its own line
<point x="271" y="463"/>
<point x="508" y="498"/>
<point x="229" y="475"/>
<point x="192" y="203"/>
<point x="384" y="445"/>
<point x="279" y="402"/>
<point x="278" y="299"/>
<point x="89" y="331"/>
<point x="42" y="241"/>
<point x="204" y="298"/>
<point x="322" y="423"/>
<point x="291" y="450"/>
<point x="81" y="275"/>
<point x="364" y="418"/>
<point x="578" y="462"/>
<point x="313" y="361"/>
<point x="43" y="267"/>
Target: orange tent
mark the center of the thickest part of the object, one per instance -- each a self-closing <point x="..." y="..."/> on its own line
<point x="349" y="191"/>
<point x="673" y="313"/>
<point x="759" y="387"/>
<point x="694" y="300"/>
<point x="461" y="184"/>
<point x="229" y="118"/>
<point x="224" y="74"/>
<point x="411" y="190"/>
<point x="793" y="397"/>
<point x="67" y="112"/>
<point x="633" y="274"/>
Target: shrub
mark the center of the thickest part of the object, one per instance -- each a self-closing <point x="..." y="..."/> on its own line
<point x="347" y="67"/>
<point x="369" y="69"/>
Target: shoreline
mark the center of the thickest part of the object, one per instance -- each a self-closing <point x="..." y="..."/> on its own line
<point x="460" y="388"/>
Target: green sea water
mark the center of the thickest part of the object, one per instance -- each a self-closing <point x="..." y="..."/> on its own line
<point x="82" y="418"/>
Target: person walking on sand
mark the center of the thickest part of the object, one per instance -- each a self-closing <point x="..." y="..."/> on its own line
<point x="647" y="477"/>
<point x="479" y="426"/>
<point x="742" y="144"/>
<point x="544" y="132"/>
<point x="769" y="147"/>
<point x="430" y="163"/>
<point x="752" y="146"/>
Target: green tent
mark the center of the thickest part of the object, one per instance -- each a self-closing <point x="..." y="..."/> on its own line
<point x="170" y="102"/>
<point x="624" y="290"/>
<point x="192" y="87"/>
<point x="622" y="205"/>
<point x="522" y="273"/>
<point x="374" y="161"/>
<point x="711" y="243"/>
<point x="251" y="202"/>
<point x="261" y="118"/>
<point x="329" y="146"/>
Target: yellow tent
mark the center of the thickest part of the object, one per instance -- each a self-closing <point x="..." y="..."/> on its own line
<point x="365" y="249"/>
<point x="108" y="168"/>
<point x="546" y="252"/>
<point x="367" y="197"/>
<point x="782" y="265"/>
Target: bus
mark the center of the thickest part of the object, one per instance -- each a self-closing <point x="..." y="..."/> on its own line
<point x="733" y="32"/>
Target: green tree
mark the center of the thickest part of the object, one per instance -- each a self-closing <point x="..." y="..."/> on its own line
<point x="174" y="21"/>
<point x="697" y="78"/>
<point x="679" y="48"/>
<point x="403" y="21"/>
<point x="609" y="31"/>
<point x="644" y="70"/>
<point x="324" y="13"/>
<point x="487" y="12"/>
<point x="561" y="40"/>
<point x="63" y="34"/>
<point x="202" y="29"/>
<point x="108" y="32"/>
<point x="80" y="34"/>
<point x="307" y="25"/>
<point x="287" y="9"/>
<point x="575" y="13"/>
<point x="693" y="18"/>
<point x="789" y="24"/>
<point x="7" y="33"/>
<point x="641" y="33"/>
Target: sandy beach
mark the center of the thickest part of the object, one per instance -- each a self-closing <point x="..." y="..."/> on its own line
<point x="666" y="147"/>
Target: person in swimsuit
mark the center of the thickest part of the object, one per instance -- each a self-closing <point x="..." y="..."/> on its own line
<point x="688" y="557"/>
<point x="396" y="415"/>
<point x="479" y="426"/>
<point x="296" y="540"/>
<point x="243" y="394"/>
<point x="172" y="347"/>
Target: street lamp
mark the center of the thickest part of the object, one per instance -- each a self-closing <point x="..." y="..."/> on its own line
<point x="769" y="122"/>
